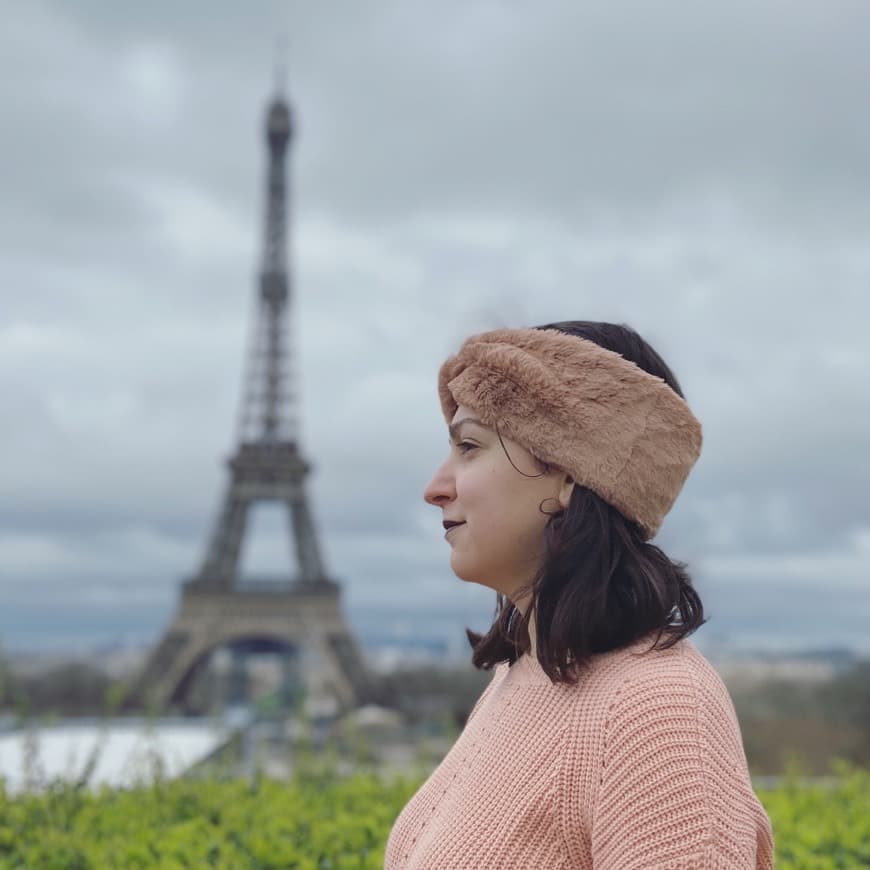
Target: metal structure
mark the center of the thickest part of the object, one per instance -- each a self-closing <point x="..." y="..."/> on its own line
<point x="301" y="615"/>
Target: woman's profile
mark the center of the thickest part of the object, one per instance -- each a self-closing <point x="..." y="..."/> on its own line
<point x="604" y="738"/>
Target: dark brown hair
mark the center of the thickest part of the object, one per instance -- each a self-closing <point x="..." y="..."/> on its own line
<point x="601" y="585"/>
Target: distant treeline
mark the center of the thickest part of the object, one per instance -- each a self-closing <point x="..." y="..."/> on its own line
<point x="815" y="722"/>
<point x="72" y="689"/>
<point x="812" y="722"/>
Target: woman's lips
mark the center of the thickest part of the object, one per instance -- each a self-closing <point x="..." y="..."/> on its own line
<point x="456" y="526"/>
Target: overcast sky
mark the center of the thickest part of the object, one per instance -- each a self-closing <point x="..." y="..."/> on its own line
<point x="698" y="171"/>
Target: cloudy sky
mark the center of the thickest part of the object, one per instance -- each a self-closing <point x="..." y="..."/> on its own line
<point x="698" y="171"/>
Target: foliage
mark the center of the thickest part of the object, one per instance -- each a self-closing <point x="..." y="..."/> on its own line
<point x="823" y="826"/>
<point x="71" y="689"/>
<point x="322" y="819"/>
<point x="318" y="820"/>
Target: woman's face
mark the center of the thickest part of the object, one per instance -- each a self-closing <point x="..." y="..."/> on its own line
<point x="500" y="540"/>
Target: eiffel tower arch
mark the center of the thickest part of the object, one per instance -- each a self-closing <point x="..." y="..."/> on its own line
<point x="301" y="615"/>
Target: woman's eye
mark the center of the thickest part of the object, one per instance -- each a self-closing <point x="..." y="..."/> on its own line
<point x="465" y="446"/>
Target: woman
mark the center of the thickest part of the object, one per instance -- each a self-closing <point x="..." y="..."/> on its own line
<point x="604" y="739"/>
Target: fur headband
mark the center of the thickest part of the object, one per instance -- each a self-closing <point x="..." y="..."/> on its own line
<point x="615" y="428"/>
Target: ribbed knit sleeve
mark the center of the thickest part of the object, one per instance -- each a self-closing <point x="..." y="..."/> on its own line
<point x="673" y="787"/>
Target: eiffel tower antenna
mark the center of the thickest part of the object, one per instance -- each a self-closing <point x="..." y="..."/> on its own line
<point x="268" y="412"/>
<point x="281" y="55"/>
<point x="302" y="612"/>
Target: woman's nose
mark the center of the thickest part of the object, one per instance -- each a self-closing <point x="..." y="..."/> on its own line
<point x="440" y="489"/>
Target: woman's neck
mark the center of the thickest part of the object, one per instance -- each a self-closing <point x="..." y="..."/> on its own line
<point x="521" y="607"/>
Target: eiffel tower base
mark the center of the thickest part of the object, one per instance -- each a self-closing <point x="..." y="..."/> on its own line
<point x="304" y="618"/>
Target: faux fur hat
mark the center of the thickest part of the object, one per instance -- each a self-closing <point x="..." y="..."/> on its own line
<point x="615" y="428"/>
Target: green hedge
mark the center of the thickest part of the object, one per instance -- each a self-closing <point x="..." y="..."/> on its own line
<point x="320" y="820"/>
<point x="821" y="827"/>
<point x="310" y="822"/>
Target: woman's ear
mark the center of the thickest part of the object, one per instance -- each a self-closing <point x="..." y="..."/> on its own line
<point x="565" y="489"/>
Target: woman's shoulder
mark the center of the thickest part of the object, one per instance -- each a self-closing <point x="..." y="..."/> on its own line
<point x="640" y="675"/>
<point x="643" y="660"/>
<point x="638" y="681"/>
<point x="640" y="663"/>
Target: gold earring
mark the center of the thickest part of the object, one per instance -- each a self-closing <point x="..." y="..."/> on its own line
<point x="551" y="513"/>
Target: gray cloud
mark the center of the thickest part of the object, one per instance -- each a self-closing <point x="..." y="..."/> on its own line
<point x="698" y="173"/>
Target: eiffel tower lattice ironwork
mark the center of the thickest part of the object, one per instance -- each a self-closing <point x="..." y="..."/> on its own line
<point x="303" y="614"/>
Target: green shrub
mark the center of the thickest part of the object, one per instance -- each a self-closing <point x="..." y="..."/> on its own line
<point x="321" y="820"/>
<point x="823" y="826"/>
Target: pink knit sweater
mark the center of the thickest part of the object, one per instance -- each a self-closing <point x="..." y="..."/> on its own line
<point x="640" y="765"/>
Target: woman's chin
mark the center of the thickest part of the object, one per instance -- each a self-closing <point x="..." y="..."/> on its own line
<point x="464" y="571"/>
<point x="460" y="567"/>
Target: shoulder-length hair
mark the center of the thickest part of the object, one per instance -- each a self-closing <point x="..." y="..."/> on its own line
<point x="601" y="586"/>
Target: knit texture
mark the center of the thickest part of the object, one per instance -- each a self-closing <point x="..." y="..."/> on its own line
<point x="640" y="765"/>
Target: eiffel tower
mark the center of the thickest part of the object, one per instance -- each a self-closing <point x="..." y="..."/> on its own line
<point x="299" y="618"/>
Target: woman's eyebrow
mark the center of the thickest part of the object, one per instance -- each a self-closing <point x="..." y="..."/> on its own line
<point x="454" y="428"/>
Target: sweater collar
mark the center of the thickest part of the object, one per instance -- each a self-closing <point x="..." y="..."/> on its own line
<point x="527" y="670"/>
